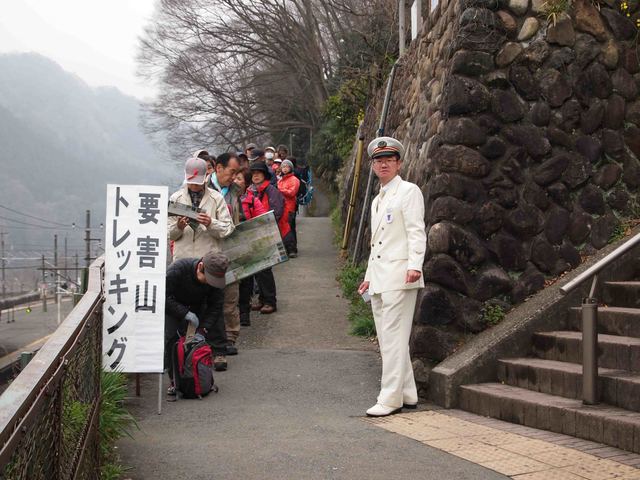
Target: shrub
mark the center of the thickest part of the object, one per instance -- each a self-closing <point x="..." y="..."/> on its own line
<point x="492" y="314"/>
<point x="360" y="315"/>
<point x="361" y="318"/>
<point x="115" y="423"/>
<point x="350" y="278"/>
<point x="336" y="223"/>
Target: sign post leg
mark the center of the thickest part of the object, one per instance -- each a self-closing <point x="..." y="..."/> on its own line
<point x="160" y="375"/>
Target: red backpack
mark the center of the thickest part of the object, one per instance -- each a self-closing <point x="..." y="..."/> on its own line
<point x="193" y="367"/>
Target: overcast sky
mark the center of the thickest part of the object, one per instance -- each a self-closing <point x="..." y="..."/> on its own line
<point x="95" y="39"/>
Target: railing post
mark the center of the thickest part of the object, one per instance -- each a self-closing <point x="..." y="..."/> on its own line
<point x="590" y="351"/>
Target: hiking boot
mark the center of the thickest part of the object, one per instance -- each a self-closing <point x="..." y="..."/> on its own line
<point x="232" y="349"/>
<point x="267" y="309"/>
<point x="257" y="306"/>
<point x="220" y="363"/>
<point x="245" y="319"/>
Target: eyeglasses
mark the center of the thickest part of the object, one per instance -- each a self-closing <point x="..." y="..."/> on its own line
<point x="384" y="160"/>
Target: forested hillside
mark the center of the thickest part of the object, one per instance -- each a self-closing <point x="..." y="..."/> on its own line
<point x="61" y="142"/>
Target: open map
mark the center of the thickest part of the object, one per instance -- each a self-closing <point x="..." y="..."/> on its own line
<point x="255" y="245"/>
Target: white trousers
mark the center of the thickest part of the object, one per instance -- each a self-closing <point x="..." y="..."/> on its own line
<point x="393" y="315"/>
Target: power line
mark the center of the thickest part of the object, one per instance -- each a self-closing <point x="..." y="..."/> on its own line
<point x="34" y="224"/>
<point x="30" y="267"/>
<point x="36" y="218"/>
<point x="34" y="227"/>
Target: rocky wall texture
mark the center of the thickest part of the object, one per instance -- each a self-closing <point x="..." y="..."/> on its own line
<point x="524" y="136"/>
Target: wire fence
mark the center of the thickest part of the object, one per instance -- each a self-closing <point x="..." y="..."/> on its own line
<point x="49" y="414"/>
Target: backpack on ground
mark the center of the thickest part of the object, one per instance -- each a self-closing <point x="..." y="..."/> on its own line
<point x="193" y="367"/>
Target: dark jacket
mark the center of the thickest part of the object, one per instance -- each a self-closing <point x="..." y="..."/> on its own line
<point x="274" y="179"/>
<point x="185" y="293"/>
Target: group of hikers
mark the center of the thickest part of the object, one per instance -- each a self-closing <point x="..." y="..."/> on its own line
<point x="236" y="187"/>
<point x="226" y="190"/>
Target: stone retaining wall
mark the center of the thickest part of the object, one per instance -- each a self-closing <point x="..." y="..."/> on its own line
<point x="524" y="137"/>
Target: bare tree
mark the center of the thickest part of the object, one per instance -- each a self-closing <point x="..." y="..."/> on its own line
<point x="233" y="70"/>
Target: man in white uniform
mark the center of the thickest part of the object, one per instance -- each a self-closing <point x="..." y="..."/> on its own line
<point x="394" y="273"/>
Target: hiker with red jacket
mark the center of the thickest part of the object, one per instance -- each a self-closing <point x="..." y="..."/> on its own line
<point x="289" y="186"/>
<point x="251" y="207"/>
<point x="272" y="199"/>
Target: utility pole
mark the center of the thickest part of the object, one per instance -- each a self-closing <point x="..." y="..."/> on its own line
<point x="44" y="286"/>
<point x="87" y="240"/>
<point x="76" y="295"/>
<point x="65" y="255"/>
<point x="4" y="264"/>
<point x="56" y="273"/>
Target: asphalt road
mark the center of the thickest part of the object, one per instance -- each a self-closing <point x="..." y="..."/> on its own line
<point x="292" y="402"/>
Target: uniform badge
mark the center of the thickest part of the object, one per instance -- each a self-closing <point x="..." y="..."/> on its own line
<point x="382" y="144"/>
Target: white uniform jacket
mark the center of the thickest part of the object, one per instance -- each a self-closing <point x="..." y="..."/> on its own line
<point x="398" y="237"/>
<point x="194" y="244"/>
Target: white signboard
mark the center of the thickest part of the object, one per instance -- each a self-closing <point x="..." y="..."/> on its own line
<point x="134" y="278"/>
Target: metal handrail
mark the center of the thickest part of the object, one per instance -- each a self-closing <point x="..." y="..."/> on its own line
<point x="590" y="319"/>
<point x="354" y="189"/>
<point x="380" y="132"/>
<point x="597" y="267"/>
<point x="21" y="403"/>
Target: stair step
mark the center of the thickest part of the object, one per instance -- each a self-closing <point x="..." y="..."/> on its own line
<point x="603" y="423"/>
<point x="611" y="320"/>
<point x="615" y="387"/>
<point x="614" y="351"/>
<point x="622" y="294"/>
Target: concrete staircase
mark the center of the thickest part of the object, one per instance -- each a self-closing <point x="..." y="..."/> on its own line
<point x="544" y="390"/>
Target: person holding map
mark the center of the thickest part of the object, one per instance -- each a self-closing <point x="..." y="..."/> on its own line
<point x="251" y="208"/>
<point x="221" y="180"/>
<point x="272" y="199"/>
<point x="195" y="238"/>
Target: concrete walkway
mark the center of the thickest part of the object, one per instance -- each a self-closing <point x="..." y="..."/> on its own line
<point x="291" y="405"/>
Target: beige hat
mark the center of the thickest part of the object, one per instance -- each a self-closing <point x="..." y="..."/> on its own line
<point x="195" y="171"/>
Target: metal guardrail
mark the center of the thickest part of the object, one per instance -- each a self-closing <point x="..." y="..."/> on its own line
<point x="590" y="320"/>
<point x="49" y="413"/>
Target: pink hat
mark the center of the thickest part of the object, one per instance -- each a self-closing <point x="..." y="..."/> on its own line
<point x="195" y="171"/>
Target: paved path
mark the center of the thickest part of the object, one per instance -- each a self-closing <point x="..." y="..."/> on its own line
<point x="521" y="452"/>
<point x="291" y="404"/>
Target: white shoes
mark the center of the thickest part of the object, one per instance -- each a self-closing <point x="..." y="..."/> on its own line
<point x="379" y="410"/>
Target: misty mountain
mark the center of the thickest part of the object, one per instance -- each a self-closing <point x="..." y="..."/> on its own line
<point x="61" y="143"/>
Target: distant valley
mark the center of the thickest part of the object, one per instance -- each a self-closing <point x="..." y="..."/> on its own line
<point x="61" y="143"/>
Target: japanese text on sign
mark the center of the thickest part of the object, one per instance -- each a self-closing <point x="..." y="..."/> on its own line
<point x="135" y="268"/>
